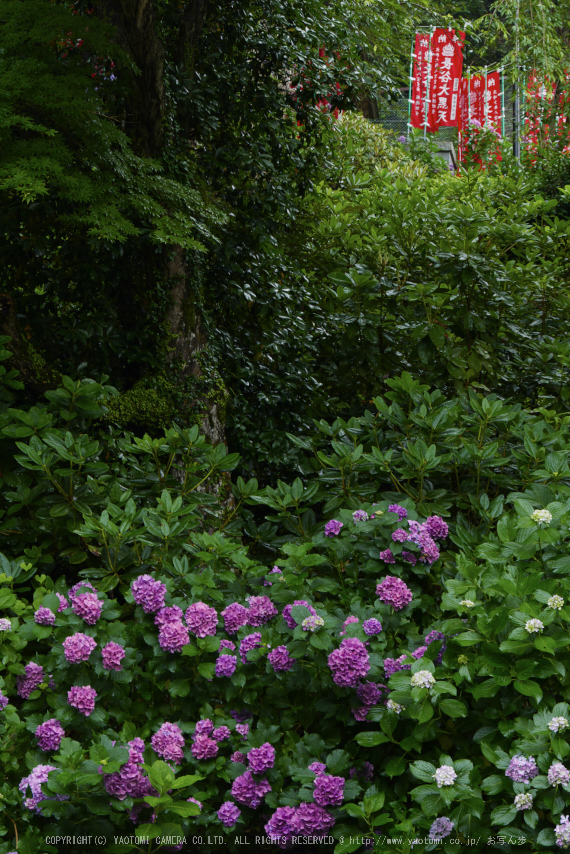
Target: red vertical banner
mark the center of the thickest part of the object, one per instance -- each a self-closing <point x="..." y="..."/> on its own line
<point x="480" y="107"/>
<point x="447" y="68"/>
<point x="421" y="73"/>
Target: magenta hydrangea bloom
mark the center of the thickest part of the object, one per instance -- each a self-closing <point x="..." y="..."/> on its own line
<point x="130" y="780"/>
<point x="112" y="655"/>
<point x="434" y="636"/>
<point x="419" y="652"/>
<point x="194" y="801"/>
<point x="173" y="636"/>
<point x="78" y="647"/>
<point x="394" y="592"/>
<point x="312" y="820"/>
<point x="261" y="759"/>
<point x="235" y="616"/>
<point x="168" y="614"/>
<point x="387" y="556"/>
<point x="521" y="769"/>
<point x="280" y="659"/>
<point x="80" y="587"/>
<point x="228" y="814"/>
<point x="227" y="644"/>
<point x="287" y="612"/>
<point x="394" y="665"/>
<point x="203" y="727"/>
<point x="243" y="730"/>
<point x="221" y="733"/>
<point x="409" y="557"/>
<point x="332" y="528"/>
<point x="328" y="791"/>
<point x="349" y="663"/>
<point x="88" y="607"/>
<point x="401" y="511"/>
<point x="148" y="593"/>
<point x="248" y="791"/>
<point x="261" y="610"/>
<point x="400" y="536"/>
<point x="63" y="603"/>
<point x="238" y="757"/>
<point x="44" y="617"/>
<point x="317" y="767"/>
<point x="347" y="622"/>
<point x="201" y="619"/>
<point x="248" y="643"/>
<point x="168" y="743"/>
<point x="436" y="528"/>
<point x="361" y="713"/>
<point x="372" y="626"/>
<point x="3" y="701"/>
<point x="225" y="665"/>
<point x="82" y="699"/>
<point x="32" y="677"/>
<point x="204" y="748"/>
<point x="34" y="780"/>
<point x="280" y="827"/>
<point x="369" y="693"/>
<point x="420" y="536"/>
<point x="49" y="735"/>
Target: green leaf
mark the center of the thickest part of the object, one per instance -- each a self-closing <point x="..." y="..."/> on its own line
<point x="370" y="739"/>
<point x="453" y="708"/>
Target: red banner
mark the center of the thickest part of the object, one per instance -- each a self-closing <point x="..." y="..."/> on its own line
<point x="479" y="107"/>
<point x="538" y="112"/>
<point x="421" y="70"/>
<point x="447" y="67"/>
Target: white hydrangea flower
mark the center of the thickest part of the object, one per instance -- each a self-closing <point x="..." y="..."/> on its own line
<point x="467" y="603"/>
<point x="312" y="623"/>
<point x="556" y="602"/>
<point x="533" y="626"/>
<point x="423" y="679"/>
<point x="557" y="724"/>
<point x="445" y="776"/>
<point x="394" y="707"/>
<point x="5" y="625"/>
<point x="523" y="802"/>
<point x="542" y="517"/>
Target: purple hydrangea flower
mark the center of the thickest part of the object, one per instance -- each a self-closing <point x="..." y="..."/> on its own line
<point x="436" y="528"/>
<point x="441" y="828"/>
<point x="521" y="769"/>
<point x="172" y="637"/>
<point x="226" y="665"/>
<point x="401" y="511"/>
<point x="5" y="625"/>
<point x="287" y="612"/>
<point x="228" y="814"/>
<point x="419" y="652"/>
<point x="400" y="536"/>
<point x="49" y="735"/>
<point x="166" y="615"/>
<point x="366" y="772"/>
<point x="130" y="780"/>
<point x="78" y="647"/>
<point x="112" y="655"/>
<point x="317" y="767"/>
<point x="44" y="617"/>
<point x="30" y="680"/>
<point x="242" y="716"/>
<point x="243" y="730"/>
<point x="238" y="757"/>
<point x="221" y="733"/>
<point x="394" y="592"/>
<point x="360" y="714"/>
<point x="248" y="791"/>
<point x="562" y="832"/>
<point x="420" y="536"/>
<point x="194" y="801"/>
<point x="349" y="663"/>
<point x="261" y="759"/>
<point x="204" y="748"/>
<point x="168" y="743"/>
<point x="409" y="557"/>
<point x="201" y="619"/>
<point x="328" y="791"/>
<point x="87" y="606"/>
<point x="360" y="516"/>
<point x="558" y="773"/>
<point x="227" y="644"/>
<point x="80" y="587"/>
<point x="280" y="660"/>
<point x="63" y="603"/>
<point x="34" y="780"/>
<point x="434" y="636"/>
<point x="82" y="699"/>
<point x="347" y="622"/>
<point x="3" y="701"/>
<point x="387" y="556"/>
<point x="261" y="610"/>
<point x="203" y="727"/>
<point x="372" y="626"/>
<point x="248" y="643"/>
<point x="312" y="820"/>
<point x="273" y="571"/>
<point x="280" y="827"/>
<point x="332" y="528"/>
<point x="148" y="593"/>
<point x="369" y="693"/>
<point x="394" y="665"/>
<point x="235" y="616"/>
